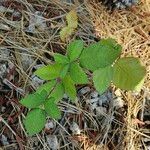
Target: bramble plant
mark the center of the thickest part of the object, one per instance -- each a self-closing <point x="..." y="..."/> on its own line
<point x="99" y="61"/>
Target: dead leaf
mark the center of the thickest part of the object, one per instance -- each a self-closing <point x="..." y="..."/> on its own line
<point x="72" y="19"/>
<point x="66" y="32"/>
<point x="72" y="23"/>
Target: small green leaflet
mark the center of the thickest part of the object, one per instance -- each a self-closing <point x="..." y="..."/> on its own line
<point x="74" y="49"/>
<point x="58" y="92"/>
<point x="102" y="78"/>
<point x="110" y="43"/>
<point x="35" y="121"/>
<point x="61" y="58"/>
<point x="64" y="70"/>
<point x="69" y="86"/>
<point x="49" y="72"/>
<point x="52" y="109"/>
<point x="77" y="74"/>
<point x="100" y="54"/>
<point x="34" y="100"/>
<point x="47" y="86"/>
<point x="128" y="73"/>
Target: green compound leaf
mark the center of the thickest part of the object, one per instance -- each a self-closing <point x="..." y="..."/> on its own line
<point x="74" y="49"/>
<point x="100" y="54"/>
<point x="52" y="109"/>
<point x="102" y="78"/>
<point x="34" y="100"/>
<point x="128" y="73"/>
<point x="77" y="74"/>
<point x="35" y="121"/>
<point x="58" y="92"/>
<point x="61" y="58"/>
<point x="49" y="72"/>
<point x="69" y="86"/>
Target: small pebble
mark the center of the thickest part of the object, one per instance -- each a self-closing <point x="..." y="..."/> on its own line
<point x="4" y="9"/>
<point x="50" y="125"/>
<point x="4" y="140"/>
<point x="36" y="20"/>
<point x="75" y="128"/>
<point x="118" y="103"/>
<point x="52" y="142"/>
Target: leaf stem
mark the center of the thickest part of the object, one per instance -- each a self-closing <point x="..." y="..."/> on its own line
<point x="57" y="81"/>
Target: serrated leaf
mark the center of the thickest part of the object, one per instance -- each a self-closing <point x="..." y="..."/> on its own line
<point x="65" y="70"/>
<point x="74" y="49"/>
<point x="34" y="100"/>
<point x="66" y="32"/>
<point x="69" y="86"/>
<point x="49" y="72"/>
<point x="72" y="19"/>
<point x="128" y="73"/>
<point x="61" y="58"/>
<point x="77" y="74"/>
<point x="52" y="109"/>
<point x="35" y="121"/>
<point x="47" y="86"/>
<point x="102" y="78"/>
<point x="100" y="54"/>
<point x="110" y="43"/>
<point x="58" y="92"/>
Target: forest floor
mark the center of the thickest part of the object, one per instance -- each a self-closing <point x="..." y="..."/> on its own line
<point x="29" y="34"/>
